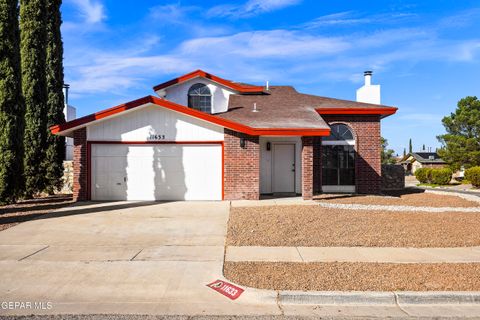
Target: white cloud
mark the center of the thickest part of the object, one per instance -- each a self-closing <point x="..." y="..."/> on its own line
<point x="462" y="19"/>
<point x="351" y="18"/>
<point x="250" y="8"/>
<point x="340" y="18"/>
<point x="170" y="13"/>
<point x="104" y="72"/>
<point x="90" y="10"/>
<point x="266" y="44"/>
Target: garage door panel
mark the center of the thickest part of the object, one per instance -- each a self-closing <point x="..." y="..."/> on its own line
<point x="156" y="172"/>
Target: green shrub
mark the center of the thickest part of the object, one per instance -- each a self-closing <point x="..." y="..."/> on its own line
<point x="429" y="175"/>
<point x="422" y="175"/>
<point x="440" y="176"/>
<point x="473" y="175"/>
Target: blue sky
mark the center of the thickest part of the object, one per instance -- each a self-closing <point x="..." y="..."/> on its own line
<point x="425" y="54"/>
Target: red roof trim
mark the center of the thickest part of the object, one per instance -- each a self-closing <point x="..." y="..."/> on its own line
<point x="200" y="73"/>
<point x="100" y="115"/>
<point x="384" y="111"/>
<point x="191" y="112"/>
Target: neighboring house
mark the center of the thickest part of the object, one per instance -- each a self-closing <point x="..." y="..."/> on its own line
<point x="207" y="138"/>
<point x="415" y="160"/>
<point x="70" y="113"/>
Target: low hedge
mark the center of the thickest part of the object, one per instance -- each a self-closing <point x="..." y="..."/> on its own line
<point x="422" y="175"/>
<point x="441" y="176"/>
<point x="473" y="175"/>
<point x="436" y="176"/>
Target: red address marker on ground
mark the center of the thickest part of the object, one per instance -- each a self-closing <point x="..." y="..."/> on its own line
<point x="227" y="289"/>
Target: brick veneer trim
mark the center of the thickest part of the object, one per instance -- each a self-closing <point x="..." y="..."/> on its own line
<point x="241" y="166"/>
<point x="307" y="167"/>
<point x="80" y="165"/>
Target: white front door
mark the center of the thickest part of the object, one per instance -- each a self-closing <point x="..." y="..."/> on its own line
<point x="156" y="172"/>
<point x="283" y="168"/>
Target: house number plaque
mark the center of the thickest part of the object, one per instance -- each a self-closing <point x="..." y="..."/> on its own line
<point x="156" y="137"/>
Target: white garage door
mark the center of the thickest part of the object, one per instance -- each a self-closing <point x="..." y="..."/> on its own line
<point x="156" y="172"/>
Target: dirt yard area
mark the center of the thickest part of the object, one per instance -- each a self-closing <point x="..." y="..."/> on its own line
<point x="355" y="276"/>
<point x="317" y="226"/>
<point x="26" y="210"/>
<point x="417" y="198"/>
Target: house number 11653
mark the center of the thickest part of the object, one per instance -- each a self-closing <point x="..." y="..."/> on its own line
<point x="156" y="137"/>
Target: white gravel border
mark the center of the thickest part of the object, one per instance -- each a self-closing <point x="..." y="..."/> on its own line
<point x="395" y="208"/>
<point x="469" y="197"/>
<point x="408" y="208"/>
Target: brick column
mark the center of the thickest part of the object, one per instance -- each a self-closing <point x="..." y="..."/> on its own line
<point x="241" y="166"/>
<point x="317" y="165"/>
<point x="307" y="167"/>
<point x="80" y="174"/>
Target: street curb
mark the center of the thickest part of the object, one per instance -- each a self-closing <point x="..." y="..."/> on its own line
<point x="379" y="298"/>
<point x="439" y="297"/>
<point x="336" y="298"/>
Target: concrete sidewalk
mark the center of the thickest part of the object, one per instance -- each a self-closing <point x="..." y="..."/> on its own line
<point x="287" y="201"/>
<point x="353" y="254"/>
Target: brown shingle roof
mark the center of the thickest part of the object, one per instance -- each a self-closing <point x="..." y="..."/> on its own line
<point x="284" y="107"/>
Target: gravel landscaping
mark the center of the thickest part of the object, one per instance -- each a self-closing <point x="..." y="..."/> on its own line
<point x="26" y="210"/>
<point x="355" y="276"/>
<point x="308" y="226"/>
<point x="417" y="198"/>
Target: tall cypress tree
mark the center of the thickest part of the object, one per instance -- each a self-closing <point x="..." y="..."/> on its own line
<point x="11" y="103"/>
<point x="55" y="103"/>
<point x="33" y="35"/>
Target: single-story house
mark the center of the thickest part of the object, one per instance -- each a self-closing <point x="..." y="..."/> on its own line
<point x="423" y="159"/>
<point x="207" y="138"/>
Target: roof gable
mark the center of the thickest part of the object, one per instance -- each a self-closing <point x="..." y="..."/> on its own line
<point x="70" y="126"/>
<point x="239" y="87"/>
<point x="424" y="157"/>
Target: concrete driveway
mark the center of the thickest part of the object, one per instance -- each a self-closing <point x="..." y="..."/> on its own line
<point x="120" y="257"/>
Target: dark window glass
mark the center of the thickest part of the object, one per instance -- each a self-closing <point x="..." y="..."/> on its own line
<point x="339" y="132"/>
<point x="338" y="165"/>
<point x="200" y="98"/>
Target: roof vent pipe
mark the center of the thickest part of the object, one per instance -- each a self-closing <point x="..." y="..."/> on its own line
<point x="254" y="107"/>
<point x="368" y="78"/>
<point x="65" y="92"/>
<point x="267" y="86"/>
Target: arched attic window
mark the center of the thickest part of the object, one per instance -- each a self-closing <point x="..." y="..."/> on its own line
<point x="339" y="132"/>
<point x="200" y="98"/>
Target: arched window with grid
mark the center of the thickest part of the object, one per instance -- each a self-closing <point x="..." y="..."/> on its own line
<point x="200" y="98"/>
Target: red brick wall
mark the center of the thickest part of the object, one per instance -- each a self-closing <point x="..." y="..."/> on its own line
<point x="80" y="165"/>
<point x="317" y="165"/>
<point x="368" y="167"/>
<point x="241" y="167"/>
<point x="307" y="167"/>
